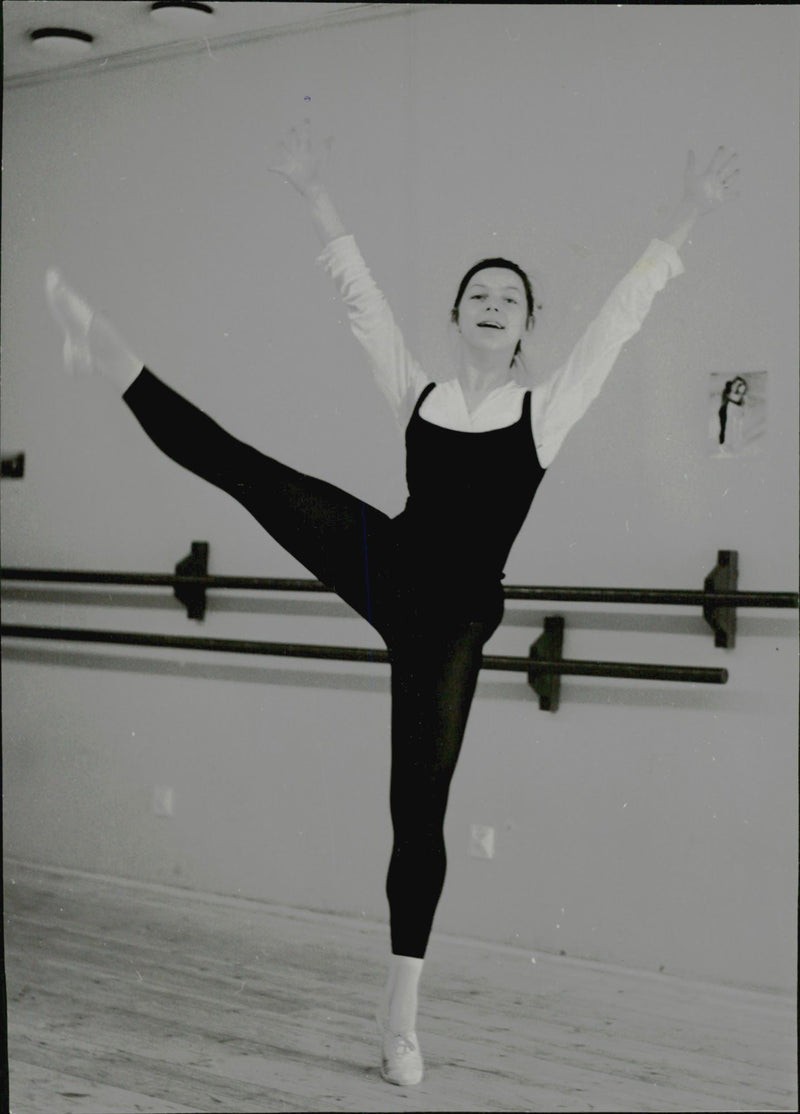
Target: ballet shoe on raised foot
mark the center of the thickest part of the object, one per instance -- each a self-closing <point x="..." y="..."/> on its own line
<point x="75" y="318"/>
<point x="401" y="1059"/>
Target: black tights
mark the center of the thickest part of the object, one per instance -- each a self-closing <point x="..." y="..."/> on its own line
<point x="352" y="548"/>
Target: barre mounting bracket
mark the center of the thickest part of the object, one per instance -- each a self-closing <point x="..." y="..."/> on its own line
<point x="722" y="578"/>
<point x="547" y="647"/>
<point x="193" y="596"/>
<point x="13" y="467"/>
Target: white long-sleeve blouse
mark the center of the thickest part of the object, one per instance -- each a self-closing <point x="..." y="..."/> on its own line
<point x="555" y="406"/>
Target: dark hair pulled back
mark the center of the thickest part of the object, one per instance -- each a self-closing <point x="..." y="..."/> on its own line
<point x="509" y="266"/>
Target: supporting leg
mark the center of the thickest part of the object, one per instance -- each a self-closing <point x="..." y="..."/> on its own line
<point x="434" y="676"/>
<point x="433" y="683"/>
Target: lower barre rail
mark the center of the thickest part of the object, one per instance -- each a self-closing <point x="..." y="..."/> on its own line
<point x="532" y="666"/>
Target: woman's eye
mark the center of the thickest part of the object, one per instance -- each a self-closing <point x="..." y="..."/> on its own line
<point x="477" y="297"/>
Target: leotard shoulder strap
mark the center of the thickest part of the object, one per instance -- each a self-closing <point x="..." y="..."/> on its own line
<point x="426" y="391"/>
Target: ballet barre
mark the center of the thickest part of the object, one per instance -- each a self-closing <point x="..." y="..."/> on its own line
<point x="544" y="665"/>
<point x="718" y="599"/>
<point x="543" y="671"/>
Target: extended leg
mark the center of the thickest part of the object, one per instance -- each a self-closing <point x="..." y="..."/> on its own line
<point x="340" y="539"/>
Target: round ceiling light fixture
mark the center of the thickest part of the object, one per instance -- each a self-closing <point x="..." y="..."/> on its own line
<point x="181" y="14"/>
<point x="62" y="42"/>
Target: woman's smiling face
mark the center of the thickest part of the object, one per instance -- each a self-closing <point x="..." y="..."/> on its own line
<point x="493" y="312"/>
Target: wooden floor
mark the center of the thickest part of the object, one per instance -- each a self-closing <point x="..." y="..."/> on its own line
<point x="124" y="997"/>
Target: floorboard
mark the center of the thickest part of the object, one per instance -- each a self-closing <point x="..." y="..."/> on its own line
<point x="129" y="998"/>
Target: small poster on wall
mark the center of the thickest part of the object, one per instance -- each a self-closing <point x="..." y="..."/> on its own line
<point x="737" y="413"/>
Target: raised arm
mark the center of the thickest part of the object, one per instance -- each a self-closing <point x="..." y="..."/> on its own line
<point x="701" y="193"/>
<point x="567" y="396"/>
<point x="301" y="163"/>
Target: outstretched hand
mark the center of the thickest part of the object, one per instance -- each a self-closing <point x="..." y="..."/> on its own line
<point x="302" y="159"/>
<point x="712" y="188"/>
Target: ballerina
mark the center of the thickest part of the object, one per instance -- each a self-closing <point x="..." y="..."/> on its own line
<point x="429" y="580"/>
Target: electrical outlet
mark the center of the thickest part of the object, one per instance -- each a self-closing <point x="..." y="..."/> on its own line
<point x="163" y="801"/>
<point x="481" y="841"/>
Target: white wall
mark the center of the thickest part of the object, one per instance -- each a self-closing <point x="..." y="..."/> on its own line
<point x="654" y="825"/>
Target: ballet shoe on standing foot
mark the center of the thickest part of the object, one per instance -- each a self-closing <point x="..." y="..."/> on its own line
<point x="401" y="1059"/>
<point x="75" y="318"/>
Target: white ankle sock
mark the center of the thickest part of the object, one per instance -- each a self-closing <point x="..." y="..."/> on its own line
<point x="400" y="998"/>
<point x="91" y="343"/>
